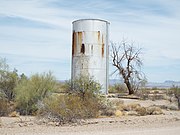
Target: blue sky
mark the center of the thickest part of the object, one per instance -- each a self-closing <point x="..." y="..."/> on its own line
<point x="35" y="35"/>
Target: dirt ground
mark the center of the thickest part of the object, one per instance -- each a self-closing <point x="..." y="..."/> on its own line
<point x="167" y="124"/>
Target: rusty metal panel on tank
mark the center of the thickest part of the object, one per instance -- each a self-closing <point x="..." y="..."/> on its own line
<point x="90" y="50"/>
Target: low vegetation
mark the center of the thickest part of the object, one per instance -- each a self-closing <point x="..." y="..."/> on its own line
<point x="42" y="95"/>
<point x="3" y="107"/>
<point x="33" y="90"/>
<point x="118" y="108"/>
<point x="176" y="91"/>
<point x="79" y="102"/>
<point x="118" y="88"/>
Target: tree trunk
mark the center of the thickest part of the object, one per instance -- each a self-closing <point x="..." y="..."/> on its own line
<point x="128" y="84"/>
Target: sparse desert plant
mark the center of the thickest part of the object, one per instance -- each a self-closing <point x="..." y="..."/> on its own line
<point x="4" y="108"/>
<point x="14" y="114"/>
<point x="176" y="91"/>
<point x="118" y="113"/>
<point x="118" y="88"/>
<point x="155" y="97"/>
<point x="148" y="94"/>
<point x="60" y="87"/>
<point x="154" y="110"/>
<point x="80" y="102"/>
<point x="30" y="91"/>
<point x="143" y="93"/>
<point x="83" y="86"/>
<point x="131" y="107"/>
<point x="8" y="80"/>
<point x="117" y="102"/>
<point x="1" y="122"/>
<point x="141" y="111"/>
<point x="108" y="108"/>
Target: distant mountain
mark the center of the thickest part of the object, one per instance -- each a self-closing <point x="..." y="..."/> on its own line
<point x="170" y="81"/>
<point x="165" y="84"/>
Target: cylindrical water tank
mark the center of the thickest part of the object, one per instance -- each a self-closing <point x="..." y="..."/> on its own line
<point x="90" y="50"/>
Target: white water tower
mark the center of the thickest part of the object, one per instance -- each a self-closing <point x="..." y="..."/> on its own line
<point x="90" y="50"/>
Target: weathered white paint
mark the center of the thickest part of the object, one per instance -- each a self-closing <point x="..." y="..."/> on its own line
<point x="90" y="50"/>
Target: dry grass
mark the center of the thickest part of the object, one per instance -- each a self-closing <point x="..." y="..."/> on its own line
<point x="4" y="107"/>
<point x="70" y="108"/>
<point x="135" y="109"/>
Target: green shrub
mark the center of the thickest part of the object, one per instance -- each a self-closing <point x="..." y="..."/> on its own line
<point x="83" y="86"/>
<point x="80" y="102"/>
<point x="8" y="80"/>
<point x="60" y="87"/>
<point x="30" y="91"/>
<point x="118" y="88"/>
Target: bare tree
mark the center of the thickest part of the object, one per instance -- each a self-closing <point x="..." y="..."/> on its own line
<point x="176" y="91"/>
<point x="126" y="58"/>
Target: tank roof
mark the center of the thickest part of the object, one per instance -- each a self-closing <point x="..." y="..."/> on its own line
<point x="91" y="19"/>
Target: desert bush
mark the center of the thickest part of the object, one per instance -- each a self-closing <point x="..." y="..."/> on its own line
<point x="83" y="86"/>
<point x="80" y="102"/>
<point x="131" y="107"/>
<point x="141" y="111"/>
<point x="108" y="107"/>
<point x="176" y="91"/>
<point x="60" y="87"/>
<point x="30" y="91"/>
<point x="4" y="107"/>
<point x="118" y="88"/>
<point x="154" y="110"/>
<point x="117" y="102"/>
<point x="146" y="94"/>
<point x="0" y="122"/>
<point x="118" y="113"/>
<point x="69" y="108"/>
<point x="8" y="80"/>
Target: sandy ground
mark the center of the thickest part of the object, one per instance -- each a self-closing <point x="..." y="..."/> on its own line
<point x="167" y="124"/>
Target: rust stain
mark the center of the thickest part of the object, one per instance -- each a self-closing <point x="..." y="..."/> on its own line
<point x="82" y="48"/>
<point x="80" y="40"/>
<point x="103" y="50"/>
<point x="102" y="47"/>
<point x="73" y="43"/>
<point x="91" y="49"/>
<point x="99" y="34"/>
